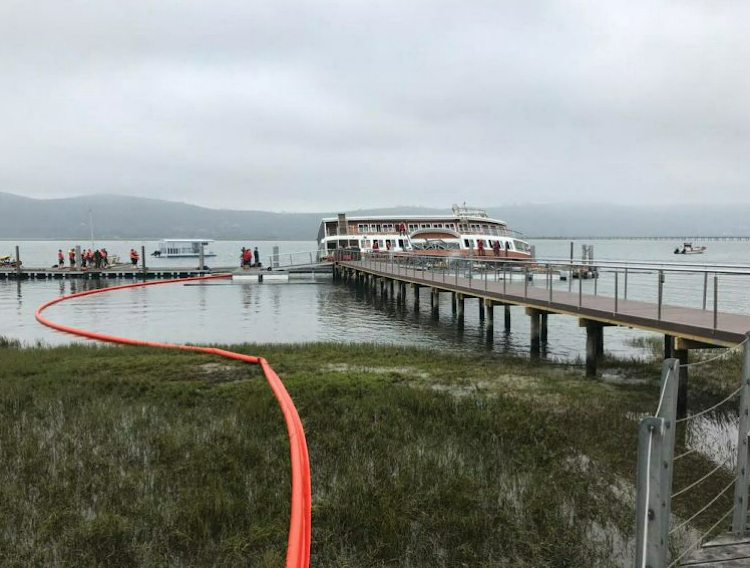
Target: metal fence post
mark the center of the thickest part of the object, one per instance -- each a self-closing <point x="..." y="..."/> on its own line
<point x="580" y="288"/>
<point x="526" y="281"/>
<point x="661" y="291"/>
<point x="739" y="515"/>
<point x="705" y="288"/>
<point x="617" y="280"/>
<point x="716" y="300"/>
<point x="625" y="291"/>
<point x="549" y="278"/>
<point x="505" y="280"/>
<point x="654" y="478"/>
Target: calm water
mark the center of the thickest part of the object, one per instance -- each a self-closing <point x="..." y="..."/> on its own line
<point x="225" y="312"/>
<point x="302" y="311"/>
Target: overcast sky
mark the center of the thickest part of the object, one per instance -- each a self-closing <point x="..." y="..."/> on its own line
<point x="318" y="105"/>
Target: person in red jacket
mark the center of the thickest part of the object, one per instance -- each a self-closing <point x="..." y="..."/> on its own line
<point x="480" y="246"/>
<point x="60" y="259"/>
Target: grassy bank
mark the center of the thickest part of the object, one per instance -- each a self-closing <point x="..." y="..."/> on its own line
<point x="115" y="456"/>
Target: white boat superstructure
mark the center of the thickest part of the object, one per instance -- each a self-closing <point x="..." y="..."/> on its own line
<point x="465" y="232"/>
<point x="183" y="248"/>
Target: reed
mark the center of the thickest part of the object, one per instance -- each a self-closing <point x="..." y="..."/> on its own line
<point x="113" y="456"/>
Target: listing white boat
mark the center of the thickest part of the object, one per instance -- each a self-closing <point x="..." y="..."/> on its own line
<point x="465" y="232"/>
<point x="183" y="248"/>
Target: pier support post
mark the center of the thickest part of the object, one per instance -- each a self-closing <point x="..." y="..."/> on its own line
<point x="489" y="309"/>
<point x="535" y="343"/>
<point x="18" y="262"/>
<point x="435" y="302"/>
<point x="594" y="341"/>
<point x="507" y="317"/>
<point x="453" y="302"/>
<point x="460" y="304"/>
<point x="481" y="309"/>
<point x="682" y="390"/>
<point x="543" y="322"/>
<point x="143" y="260"/>
<point x="416" y="294"/>
<point x="668" y="346"/>
<point x="391" y="286"/>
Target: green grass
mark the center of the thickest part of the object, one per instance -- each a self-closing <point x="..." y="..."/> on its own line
<point x="114" y="456"/>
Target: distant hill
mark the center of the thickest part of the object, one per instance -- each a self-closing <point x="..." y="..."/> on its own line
<point x="123" y="217"/>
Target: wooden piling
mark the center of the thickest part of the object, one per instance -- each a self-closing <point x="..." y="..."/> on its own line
<point x="507" y="317"/>
<point x="543" y="333"/>
<point x="535" y="335"/>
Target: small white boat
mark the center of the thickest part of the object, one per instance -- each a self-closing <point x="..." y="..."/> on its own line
<point x="689" y="248"/>
<point x="183" y="248"/>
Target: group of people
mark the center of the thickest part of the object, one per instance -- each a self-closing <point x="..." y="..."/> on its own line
<point x="496" y="247"/>
<point x="249" y="257"/>
<point x="89" y="258"/>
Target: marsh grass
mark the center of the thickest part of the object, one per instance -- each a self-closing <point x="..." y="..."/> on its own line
<point x="113" y="456"/>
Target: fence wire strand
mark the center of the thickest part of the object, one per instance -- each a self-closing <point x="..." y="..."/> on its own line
<point x="700" y="539"/>
<point x="716" y="357"/>
<point x="685" y="454"/>
<point x="702" y="479"/>
<point x="704" y="508"/>
<point x="711" y="408"/>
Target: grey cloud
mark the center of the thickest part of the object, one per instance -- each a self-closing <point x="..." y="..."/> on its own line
<point x="300" y="104"/>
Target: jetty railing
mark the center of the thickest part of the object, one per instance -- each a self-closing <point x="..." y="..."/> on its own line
<point x="295" y="259"/>
<point x="716" y="288"/>
<point x="711" y="498"/>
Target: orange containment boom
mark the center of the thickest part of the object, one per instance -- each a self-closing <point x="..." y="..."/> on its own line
<point x="298" y="544"/>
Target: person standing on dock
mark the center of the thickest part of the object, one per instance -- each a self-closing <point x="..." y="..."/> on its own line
<point x="60" y="259"/>
<point x="105" y="258"/>
<point x="72" y="258"/>
<point x="134" y="257"/>
<point x="257" y="256"/>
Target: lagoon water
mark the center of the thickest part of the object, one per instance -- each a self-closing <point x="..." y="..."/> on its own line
<point x="302" y="311"/>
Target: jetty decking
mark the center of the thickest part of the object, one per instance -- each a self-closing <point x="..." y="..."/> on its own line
<point x="724" y="553"/>
<point x="676" y="321"/>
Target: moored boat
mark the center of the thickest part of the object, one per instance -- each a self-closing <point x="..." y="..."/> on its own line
<point x="183" y="248"/>
<point x="465" y="232"/>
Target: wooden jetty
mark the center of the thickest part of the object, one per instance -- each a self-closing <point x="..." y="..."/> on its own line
<point x="727" y="552"/>
<point x="683" y="328"/>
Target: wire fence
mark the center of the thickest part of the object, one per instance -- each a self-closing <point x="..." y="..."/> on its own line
<point x="670" y="525"/>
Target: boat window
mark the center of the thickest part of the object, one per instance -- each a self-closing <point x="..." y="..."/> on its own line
<point x="362" y="228"/>
<point x="331" y="245"/>
<point x="366" y="243"/>
<point x="412" y="227"/>
<point x="425" y="225"/>
<point x="401" y="243"/>
<point x="342" y="243"/>
<point x="520" y="245"/>
<point x="468" y="243"/>
<point x="353" y="243"/>
<point x="377" y="228"/>
<point x="388" y="227"/>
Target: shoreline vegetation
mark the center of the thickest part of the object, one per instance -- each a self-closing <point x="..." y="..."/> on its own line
<point x="121" y="457"/>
